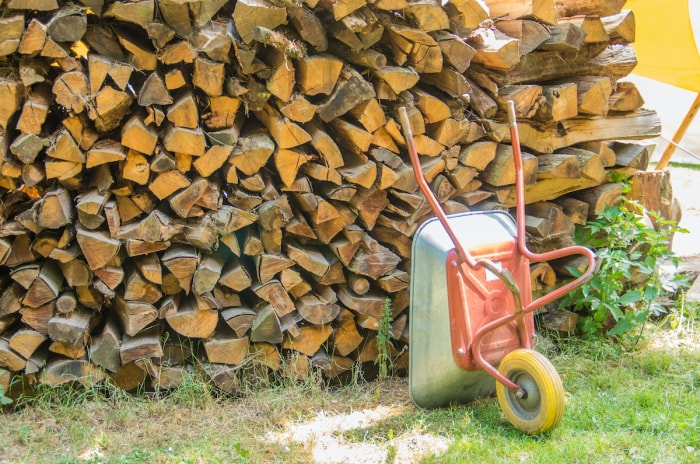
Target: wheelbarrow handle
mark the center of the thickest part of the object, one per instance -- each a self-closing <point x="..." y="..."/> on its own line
<point x="525" y="251"/>
<point x="462" y="253"/>
<point x="522" y="236"/>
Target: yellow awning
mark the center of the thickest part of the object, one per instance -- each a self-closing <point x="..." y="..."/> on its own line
<point x="665" y="42"/>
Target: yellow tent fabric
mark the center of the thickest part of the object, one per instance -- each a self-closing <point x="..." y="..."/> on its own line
<point x="665" y="43"/>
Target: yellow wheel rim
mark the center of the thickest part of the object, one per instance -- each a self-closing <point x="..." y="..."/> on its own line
<point x="543" y="406"/>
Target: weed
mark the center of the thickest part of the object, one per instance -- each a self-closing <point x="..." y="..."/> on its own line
<point x="194" y="388"/>
<point x="390" y="454"/>
<point x="626" y="291"/>
<point x="242" y="452"/>
<point x="65" y="395"/>
<point x="384" y="344"/>
<point x="685" y="314"/>
<point x="23" y="435"/>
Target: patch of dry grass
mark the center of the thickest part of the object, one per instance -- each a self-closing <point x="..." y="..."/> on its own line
<point x="620" y="407"/>
<point x="195" y="425"/>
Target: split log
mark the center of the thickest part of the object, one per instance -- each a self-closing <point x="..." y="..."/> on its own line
<point x="316" y="309"/>
<point x="625" y="97"/>
<point x="591" y="25"/>
<point x="638" y="124"/>
<point x="494" y="50"/>
<point x="286" y="133"/>
<point x="239" y="319"/>
<point x="565" y="37"/>
<point x="632" y="155"/>
<point x="600" y="196"/>
<point x="544" y="11"/>
<point x="351" y="90"/>
<point x="104" y="349"/>
<point x="620" y="27"/>
<point x="142" y="346"/>
<point x="309" y="339"/>
<point x="455" y="50"/>
<point x="530" y="34"/>
<point x="563" y="321"/>
<point x="482" y="102"/>
<point x="26" y="341"/>
<point x="226" y="349"/>
<point x="134" y="315"/>
<point x="525" y="99"/>
<point x="558" y="165"/>
<point x="193" y="321"/>
<point x="616" y="61"/>
<point x="73" y="330"/>
<point x="576" y="210"/>
<point x="501" y="171"/>
<point x="590" y="163"/>
<point x="542" y="275"/>
<point x="593" y="95"/>
<point x="468" y="14"/>
<point x="266" y="327"/>
<point x="61" y="371"/>
<point x="274" y="293"/>
<point x="560" y="102"/>
<point x="331" y="366"/>
<point x="589" y="7"/>
<point x="45" y="287"/>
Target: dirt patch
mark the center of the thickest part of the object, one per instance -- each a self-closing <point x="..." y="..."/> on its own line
<point x="324" y="434"/>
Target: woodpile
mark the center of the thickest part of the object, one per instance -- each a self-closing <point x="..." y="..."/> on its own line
<point x="224" y="184"/>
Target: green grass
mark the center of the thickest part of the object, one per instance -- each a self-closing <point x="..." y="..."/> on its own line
<point x="621" y="407"/>
<point x="674" y="164"/>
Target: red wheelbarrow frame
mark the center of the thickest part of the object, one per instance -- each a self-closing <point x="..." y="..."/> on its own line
<point x="465" y="261"/>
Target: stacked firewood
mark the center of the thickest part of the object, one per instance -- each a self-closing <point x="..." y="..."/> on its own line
<point x="224" y="184"/>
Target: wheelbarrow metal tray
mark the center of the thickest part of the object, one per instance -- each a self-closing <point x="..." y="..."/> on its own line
<point x="435" y="378"/>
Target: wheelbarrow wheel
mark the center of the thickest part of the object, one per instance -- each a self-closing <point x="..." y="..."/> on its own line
<point x="542" y="406"/>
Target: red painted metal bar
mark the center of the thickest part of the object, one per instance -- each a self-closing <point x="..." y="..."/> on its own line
<point x="522" y="246"/>
<point x="522" y="238"/>
<point x="463" y="254"/>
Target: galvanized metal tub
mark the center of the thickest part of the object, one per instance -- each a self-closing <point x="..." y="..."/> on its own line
<point x="435" y="380"/>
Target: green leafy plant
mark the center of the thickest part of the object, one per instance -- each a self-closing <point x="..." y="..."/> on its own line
<point x="384" y="344"/>
<point x="630" y="245"/>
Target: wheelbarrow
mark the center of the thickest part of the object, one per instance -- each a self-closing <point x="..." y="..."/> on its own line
<point x="471" y="308"/>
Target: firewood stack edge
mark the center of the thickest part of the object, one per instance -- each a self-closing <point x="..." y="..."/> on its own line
<point x="224" y="184"/>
